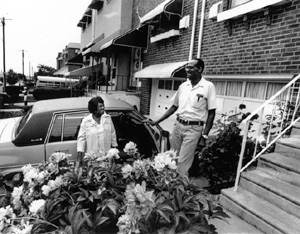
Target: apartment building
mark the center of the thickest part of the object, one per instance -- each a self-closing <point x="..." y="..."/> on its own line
<point x="69" y="59"/>
<point x="250" y="48"/>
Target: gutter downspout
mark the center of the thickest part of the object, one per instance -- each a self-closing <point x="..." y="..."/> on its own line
<point x="201" y="29"/>
<point x="193" y="29"/>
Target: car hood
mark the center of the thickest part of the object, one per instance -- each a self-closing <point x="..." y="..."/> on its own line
<point x="7" y="128"/>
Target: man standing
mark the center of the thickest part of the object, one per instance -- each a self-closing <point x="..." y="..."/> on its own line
<point x="195" y="101"/>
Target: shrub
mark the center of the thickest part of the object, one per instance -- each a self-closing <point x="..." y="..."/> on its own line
<point x="108" y="194"/>
<point x="218" y="161"/>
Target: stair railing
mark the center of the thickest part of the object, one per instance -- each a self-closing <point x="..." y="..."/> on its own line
<point x="283" y="115"/>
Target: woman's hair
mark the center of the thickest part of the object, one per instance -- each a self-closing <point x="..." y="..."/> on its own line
<point x="93" y="104"/>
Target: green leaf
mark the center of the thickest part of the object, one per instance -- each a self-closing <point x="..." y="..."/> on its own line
<point x="165" y="207"/>
<point x="102" y="220"/>
<point x="85" y="192"/>
<point x="162" y="214"/>
<point x="113" y="206"/>
<point x="80" y="199"/>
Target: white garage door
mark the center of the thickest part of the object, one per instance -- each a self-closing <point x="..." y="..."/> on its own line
<point x="163" y="91"/>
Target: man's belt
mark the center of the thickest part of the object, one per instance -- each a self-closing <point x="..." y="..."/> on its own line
<point x="189" y="122"/>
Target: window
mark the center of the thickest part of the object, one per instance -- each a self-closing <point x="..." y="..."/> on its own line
<point x="255" y="90"/>
<point x="220" y="87"/>
<point x="161" y="84"/>
<point x="66" y="127"/>
<point x="168" y="84"/>
<point x="234" y="88"/>
<point x="56" y="129"/>
<point x="273" y="88"/>
<point x="166" y="25"/>
<point x="235" y="3"/>
<point x="177" y="83"/>
<point x="71" y="126"/>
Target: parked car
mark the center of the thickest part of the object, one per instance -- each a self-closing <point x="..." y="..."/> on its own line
<point x="53" y="125"/>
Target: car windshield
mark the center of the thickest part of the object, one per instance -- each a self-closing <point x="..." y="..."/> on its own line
<point x="23" y="121"/>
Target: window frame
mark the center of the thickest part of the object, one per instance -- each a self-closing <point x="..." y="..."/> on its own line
<point x="237" y="4"/>
<point x="63" y="123"/>
<point x="252" y="6"/>
<point x="244" y="85"/>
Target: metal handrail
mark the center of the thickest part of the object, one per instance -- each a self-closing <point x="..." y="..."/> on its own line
<point x="283" y="89"/>
<point x="260" y="109"/>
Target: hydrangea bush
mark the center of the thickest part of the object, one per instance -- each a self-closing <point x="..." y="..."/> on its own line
<point x="121" y="192"/>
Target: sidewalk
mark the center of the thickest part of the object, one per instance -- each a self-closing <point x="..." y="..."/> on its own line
<point x="233" y="225"/>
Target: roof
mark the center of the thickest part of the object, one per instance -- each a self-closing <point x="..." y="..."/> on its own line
<point x="73" y="45"/>
<point x="78" y="103"/>
<point x="168" y="6"/>
<point x="56" y="79"/>
<point x="160" y="71"/>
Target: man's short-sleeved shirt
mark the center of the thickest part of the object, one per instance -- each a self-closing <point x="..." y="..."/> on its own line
<point x="194" y="102"/>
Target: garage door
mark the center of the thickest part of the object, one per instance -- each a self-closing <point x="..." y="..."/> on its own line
<point x="165" y="90"/>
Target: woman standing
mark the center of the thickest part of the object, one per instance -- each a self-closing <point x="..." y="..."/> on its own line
<point x="97" y="132"/>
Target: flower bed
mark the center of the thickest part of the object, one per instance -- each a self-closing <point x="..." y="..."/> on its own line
<point x="117" y="193"/>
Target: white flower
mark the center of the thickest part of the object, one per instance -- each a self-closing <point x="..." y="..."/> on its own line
<point x="58" y="156"/>
<point x="124" y="224"/>
<point x="126" y="170"/>
<point x="113" y="153"/>
<point x="30" y="174"/>
<point x="36" y="206"/>
<point x="166" y="159"/>
<point x="16" y="196"/>
<point x="90" y="156"/>
<point x="130" y="148"/>
<point x="52" y="185"/>
<point x="46" y="190"/>
<point x="101" y="190"/>
<point x="24" y="228"/>
<point x="5" y="215"/>
<point x="41" y="177"/>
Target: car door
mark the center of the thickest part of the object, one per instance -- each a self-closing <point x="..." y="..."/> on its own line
<point x="159" y="136"/>
<point x="62" y="136"/>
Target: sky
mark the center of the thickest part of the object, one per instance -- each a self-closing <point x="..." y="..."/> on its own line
<point x="41" y="28"/>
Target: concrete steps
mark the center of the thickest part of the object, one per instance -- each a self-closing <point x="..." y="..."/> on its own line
<point x="280" y="193"/>
<point x="259" y="212"/>
<point x="289" y="147"/>
<point x="268" y="197"/>
<point x="296" y="129"/>
<point x="283" y="167"/>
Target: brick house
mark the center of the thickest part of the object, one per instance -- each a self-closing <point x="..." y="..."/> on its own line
<point x="69" y="59"/>
<point x="250" y="48"/>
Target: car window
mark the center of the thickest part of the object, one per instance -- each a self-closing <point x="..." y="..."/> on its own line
<point x="24" y="120"/>
<point x="55" y="134"/>
<point x="72" y="123"/>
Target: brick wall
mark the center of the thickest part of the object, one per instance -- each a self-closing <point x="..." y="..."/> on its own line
<point x="258" y="49"/>
<point x="171" y="50"/>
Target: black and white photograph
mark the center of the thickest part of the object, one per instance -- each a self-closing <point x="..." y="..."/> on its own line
<point x="149" y="116"/>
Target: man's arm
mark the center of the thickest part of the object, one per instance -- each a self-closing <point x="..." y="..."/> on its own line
<point x="169" y="112"/>
<point x="209" y="121"/>
<point x="208" y="126"/>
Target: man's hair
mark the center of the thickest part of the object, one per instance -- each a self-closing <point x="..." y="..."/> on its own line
<point x="93" y="104"/>
<point x="200" y="63"/>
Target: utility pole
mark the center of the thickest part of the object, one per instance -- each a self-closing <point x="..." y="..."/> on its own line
<point x="29" y="71"/>
<point x="23" y="62"/>
<point x="4" y="71"/>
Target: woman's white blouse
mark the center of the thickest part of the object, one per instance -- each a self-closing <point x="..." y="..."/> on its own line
<point x="94" y="137"/>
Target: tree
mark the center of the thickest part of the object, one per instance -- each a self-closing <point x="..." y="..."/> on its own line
<point x="13" y="77"/>
<point x="44" y="70"/>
